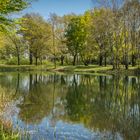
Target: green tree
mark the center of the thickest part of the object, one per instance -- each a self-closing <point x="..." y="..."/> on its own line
<point x="10" y="6"/>
<point x="102" y="33"/>
<point x="36" y="32"/>
<point x="88" y="52"/>
<point x="76" y="36"/>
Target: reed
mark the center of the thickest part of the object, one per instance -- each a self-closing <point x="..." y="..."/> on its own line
<point x="6" y="132"/>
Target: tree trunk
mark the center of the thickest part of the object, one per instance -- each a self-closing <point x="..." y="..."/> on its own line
<point x="74" y="60"/>
<point x="126" y="66"/>
<point x="31" y="58"/>
<point x="133" y="60"/>
<point x="100" y="56"/>
<point x="101" y="60"/>
<point x="41" y="60"/>
<point x="113" y="62"/>
<point x="18" y="59"/>
<point x="105" y="60"/>
<point x="18" y="54"/>
<point x="85" y="62"/>
<point x="62" y="60"/>
<point x="126" y="62"/>
<point x="55" y="62"/>
<point x="36" y="60"/>
<point x="112" y="58"/>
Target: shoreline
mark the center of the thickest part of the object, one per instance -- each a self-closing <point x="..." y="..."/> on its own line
<point x="91" y="69"/>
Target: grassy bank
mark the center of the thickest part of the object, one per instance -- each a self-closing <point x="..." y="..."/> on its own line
<point x="12" y="68"/>
<point x="6" y="132"/>
<point x="100" y="70"/>
<point x="77" y="69"/>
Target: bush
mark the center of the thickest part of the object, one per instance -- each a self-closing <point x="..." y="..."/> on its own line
<point x="24" y="61"/>
<point x="2" y="61"/>
<point x="46" y="62"/>
<point x="13" y="61"/>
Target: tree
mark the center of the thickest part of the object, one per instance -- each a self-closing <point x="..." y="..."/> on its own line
<point x="12" y="44"/>
<point x="88" y="53"/>
<point x="131" y="11"/>
<point x="58" y="47"/>
<point x="123" y="31"/>
<point x="102" y="33"/>
<point x="76" y="37"/>
<point x="61" y="26"/>
<point x="33" y="28"/>
<point x="17" y="42"/>
<point x="10" y="6"/>
<point x="4" y="54"/>
<point x="54" y="24"/>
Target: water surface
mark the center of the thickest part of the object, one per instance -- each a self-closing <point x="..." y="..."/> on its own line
<point x="52" y="106"/>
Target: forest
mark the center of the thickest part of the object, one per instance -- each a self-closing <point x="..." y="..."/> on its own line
<point x="108" y="34"/>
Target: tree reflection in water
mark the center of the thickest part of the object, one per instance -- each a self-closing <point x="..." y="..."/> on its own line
<point x="108" y="104"/>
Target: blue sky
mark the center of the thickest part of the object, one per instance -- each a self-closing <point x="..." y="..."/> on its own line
<point x="60" y="7"/>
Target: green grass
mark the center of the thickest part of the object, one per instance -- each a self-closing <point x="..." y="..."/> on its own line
<point x="6" y="134"/>
<point x="11" y="68"/>
<point x="99" y="70"/>
<point x="79" y="68"/>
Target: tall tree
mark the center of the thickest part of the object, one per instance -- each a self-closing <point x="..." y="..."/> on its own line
<point x="54" y="22"/>
<point x="102" y="33"/>
<point x="76" y="34"/>
<point x="36" y="32"/>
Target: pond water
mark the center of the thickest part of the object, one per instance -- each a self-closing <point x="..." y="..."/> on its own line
<point x="50" y="106"/>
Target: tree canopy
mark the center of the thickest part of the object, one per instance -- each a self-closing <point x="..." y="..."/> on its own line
<point x="10" y="6"/>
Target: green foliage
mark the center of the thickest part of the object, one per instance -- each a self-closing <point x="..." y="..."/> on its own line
<point x="13" y="61"/>
<point x="10" y="6"/>
<point x="76" y="35"/>
<point x="33" y="27"/>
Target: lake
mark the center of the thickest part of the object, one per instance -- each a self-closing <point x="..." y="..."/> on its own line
<point x="51" y="106"/>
